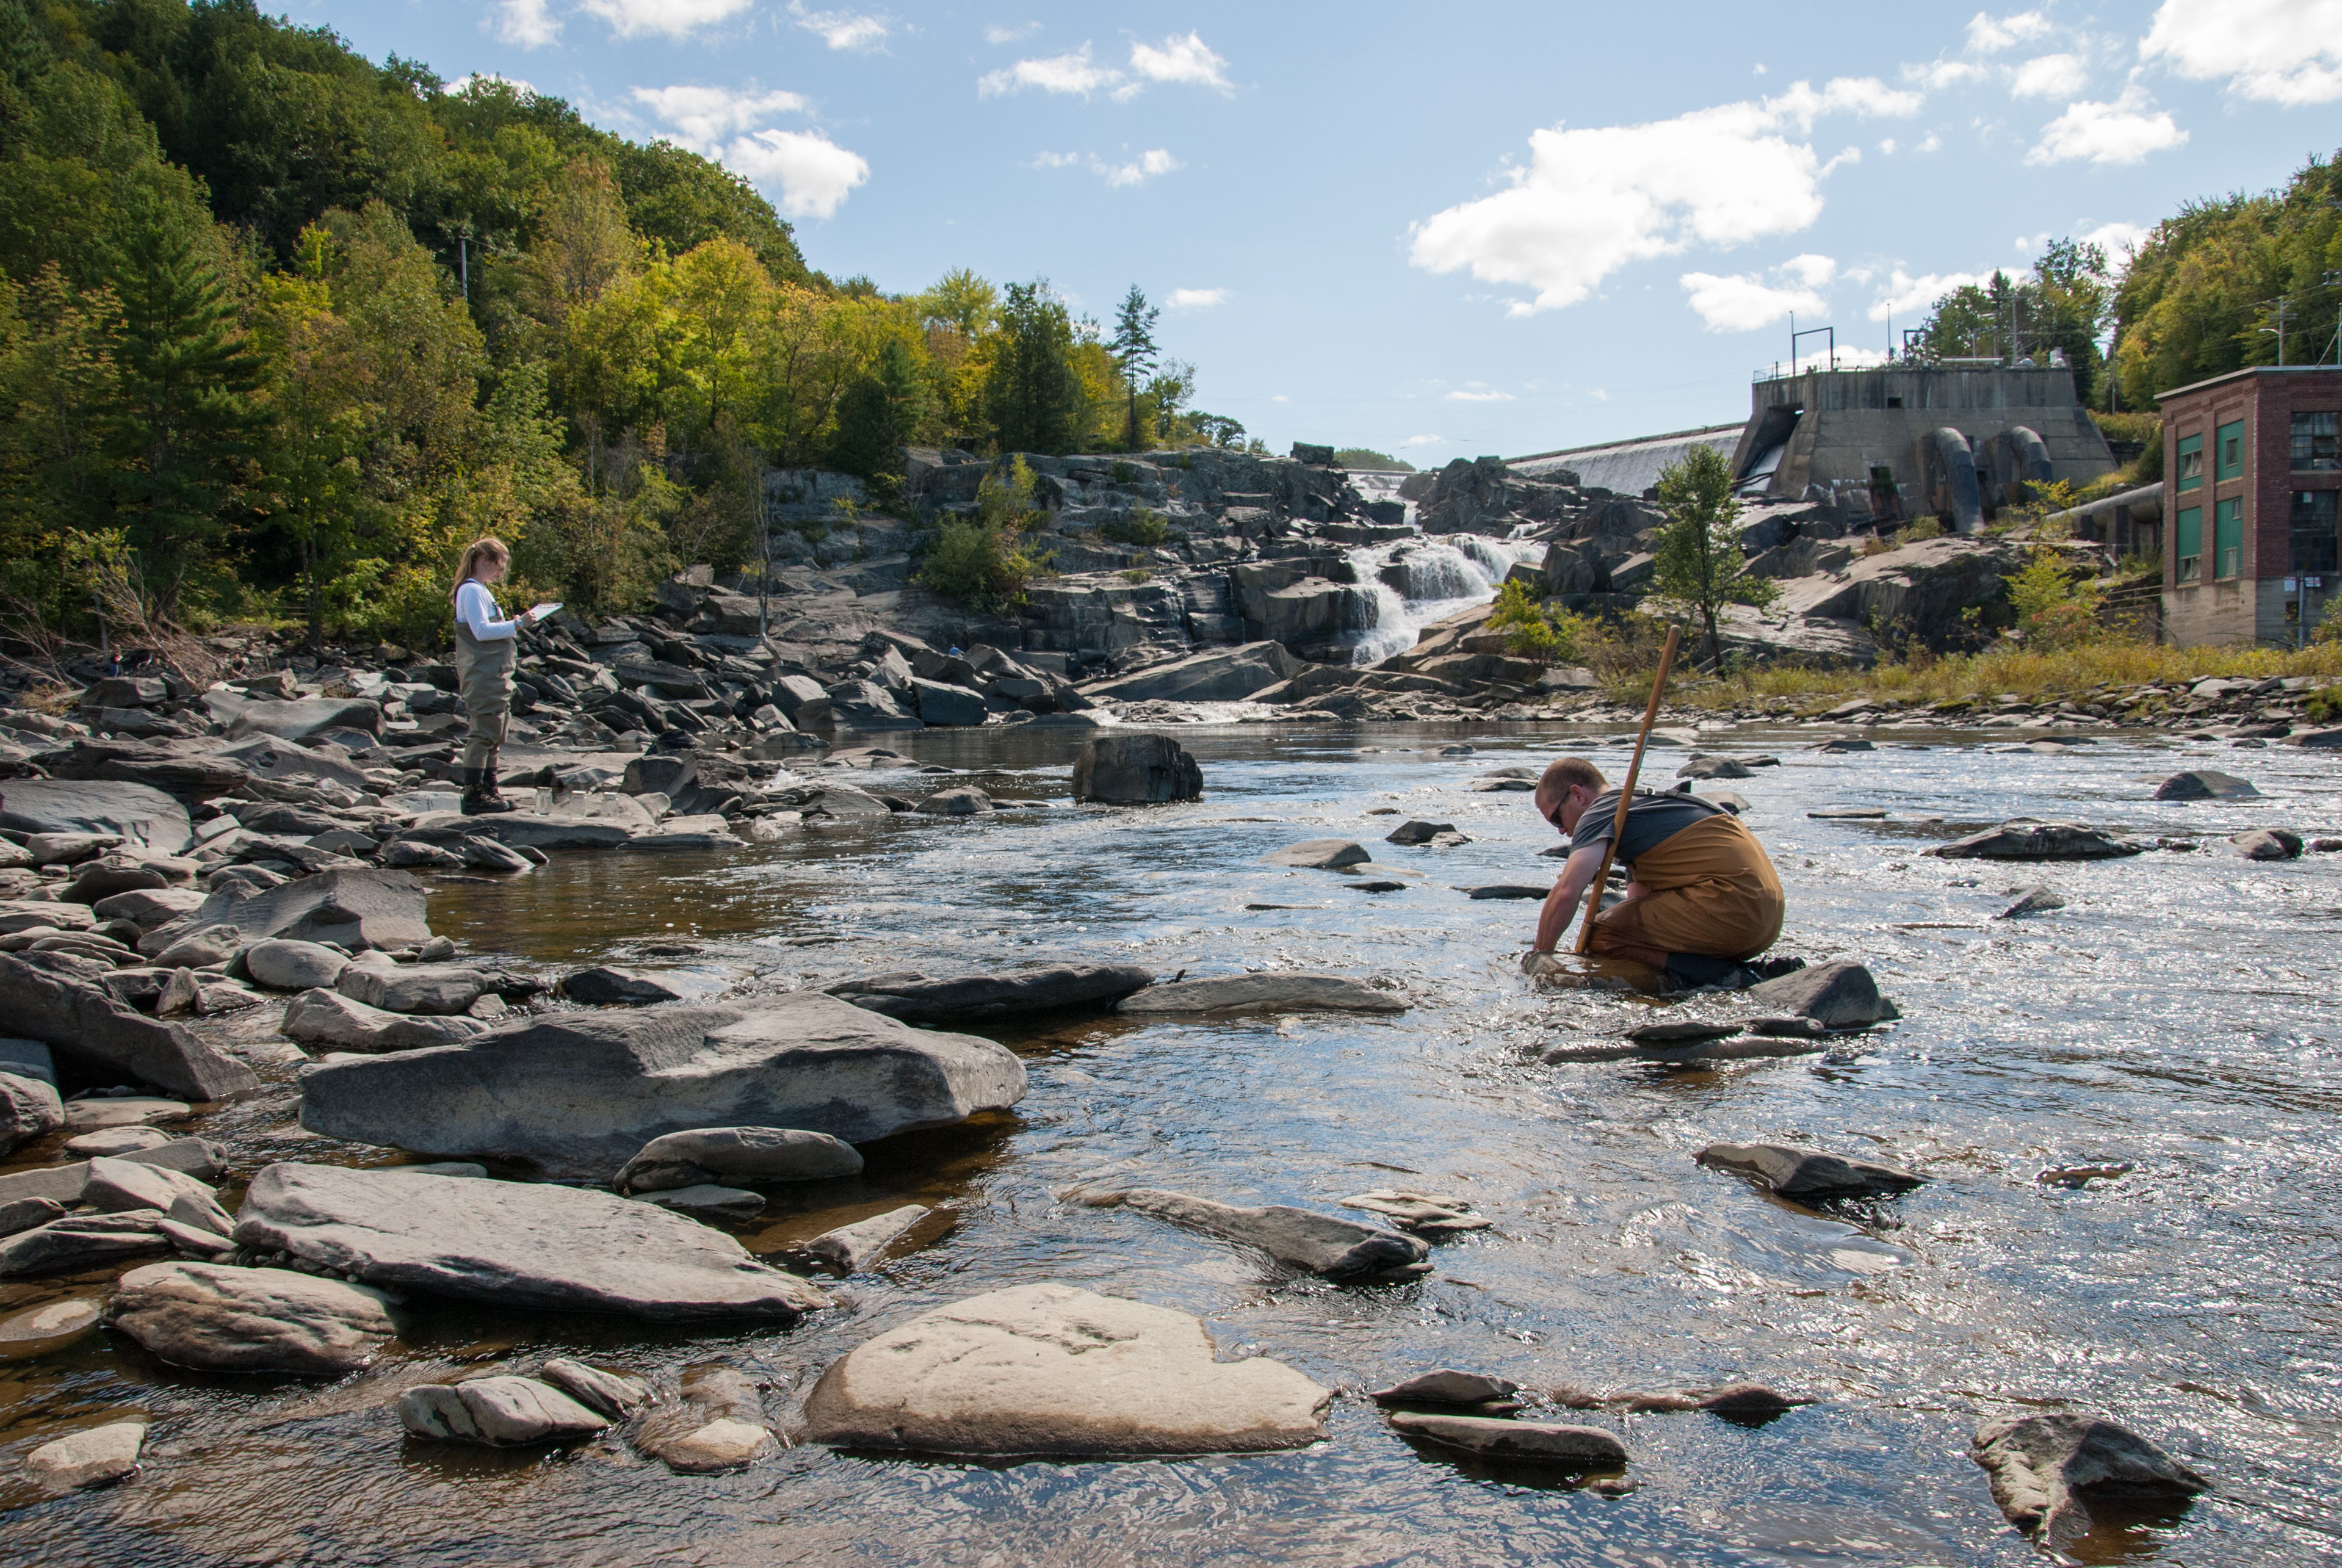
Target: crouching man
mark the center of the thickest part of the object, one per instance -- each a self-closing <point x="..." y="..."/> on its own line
<point x="1701" y="898"/>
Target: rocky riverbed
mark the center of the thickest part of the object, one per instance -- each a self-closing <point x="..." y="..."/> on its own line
<point x="2111" y="1081"/>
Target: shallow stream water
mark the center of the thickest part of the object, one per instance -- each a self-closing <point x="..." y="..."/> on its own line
<point x="2179" y="1014"/>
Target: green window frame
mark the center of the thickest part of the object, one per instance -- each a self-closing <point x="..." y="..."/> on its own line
<point x="2188" y="550"/>
<point x="2191" y="463"/>
<point x="2228" y="539"/>
<point x="2228" y="447"/>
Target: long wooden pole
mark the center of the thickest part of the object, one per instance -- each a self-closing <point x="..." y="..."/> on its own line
<point x="1627" y="793"/>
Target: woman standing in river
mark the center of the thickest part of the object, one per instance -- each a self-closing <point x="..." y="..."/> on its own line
<point x="486" y="649"/>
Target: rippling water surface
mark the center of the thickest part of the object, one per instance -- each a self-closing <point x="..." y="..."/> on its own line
<point x="2179" y="1014"/>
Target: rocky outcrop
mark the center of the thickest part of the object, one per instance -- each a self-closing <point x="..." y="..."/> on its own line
<point x="1049" y="1370"/>
<point x="1038" y="987"/>
<point x="216" y="1319"/>
<point x="1221" y="675"/>
<point x="581" y="1094"/>
<point x="1135" y="770"/>
<point x="513" y="1244"/>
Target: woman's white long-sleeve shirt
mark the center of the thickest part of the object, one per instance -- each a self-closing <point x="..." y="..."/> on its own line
<point x="476" y="608"/>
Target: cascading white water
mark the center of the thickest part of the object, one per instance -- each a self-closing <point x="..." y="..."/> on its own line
<point x="1404" y="587"/>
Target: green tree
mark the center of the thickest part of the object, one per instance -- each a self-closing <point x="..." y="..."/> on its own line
<point x="880" y="414"/>
<point x="183" y="419"/>
<point x="1135" y="352"/>
<point x="1696" y="560"/>
<point x="1032" y="395"/>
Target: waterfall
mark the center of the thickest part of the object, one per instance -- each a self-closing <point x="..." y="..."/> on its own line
<point x="1404" y="587"/>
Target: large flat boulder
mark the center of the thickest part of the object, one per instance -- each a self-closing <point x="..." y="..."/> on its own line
<point x="1226" y="994"/>
<point x="1048" y="1370"/>
<point x="140" y="814"/>
<point x="295" y="721"/>
<point x="217" y="1319"/>
<point x="2025" y="838"/>
<point x="1136" y="769"/>
<point x="98" y="1040"/>
<point x="183" y="777"/>
<point x="512" y="1244"/>
<point x="1026" y="989"/>
<point x="1222" y="676"/>
<point x="2206" y="783"/>
<point x="526" y="830"/>
<point x="581" y="1094"/>
<point x="353" y="909"/>
<point x="266" y="757"/>
<point x="1323" y="1244"/>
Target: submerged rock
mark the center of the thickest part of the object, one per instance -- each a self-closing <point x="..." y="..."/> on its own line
<point x="855" y="1247"/>
<point x="1322" y="1245"/>
<point x="1795" y="1172"/>
<point x="2206" y="783"/>
<point x="2037" y="899"/>
<point x="1579" y="1447"/>
<point x="719" y="1425"/>
<point x="2268" y="843"/>
<point x="91" y="1457"/>
<point x="1050" y="1370"/>
<point x="52" y="1326"/>
<point x="1834" y="995"/>
<point x="217" y="1319"/>
<point x="1747" y="1403"/>
<point x="1434" y="1214"/>
<point x="512" y="1243"/>
<point x="1447" y="1386"/>
<point x="737" y="1154"/>
<point x="1279" y="992"/>
<point x="1027" y="988"/>
<point x="1318" y="854"/>
<point x="2047" y="1469"/>
<point x="580" y="1093"/>
<point x="616" y="1394"/>
<point x="2026" y="838"/>
<point x="496" y="1412"/>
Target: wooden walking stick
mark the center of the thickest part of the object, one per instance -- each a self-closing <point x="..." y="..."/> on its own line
<point x="1627" y="793"/>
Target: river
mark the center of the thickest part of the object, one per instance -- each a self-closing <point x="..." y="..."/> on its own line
<point x="2179" y="1014"/>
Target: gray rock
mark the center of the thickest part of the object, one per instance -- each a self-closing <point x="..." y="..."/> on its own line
<point x="955" y="802"/>
<point x="581" y="1094"/>
<point x="1680" y="1032"/>
<point x="351" y="909"/>
<point x="1840" y="746"/>
<point x="81" y="1241"/>
<point x="1834" y="995"/>
<point x="1433" y="1215"/>
<point x="149" y="907"/>
<point x="2206" y="783"/>
<point x="2268" y="843"/>
<point x="512" y="1244"/>
<point x="1795" y="1172"/>
<point x="1135" y="770"/>
<point x="705" y="1198"/>
<point x="29" y="1109"/>
<point x="1745" y="1403"/>
<point x="295" y="721"/>
<point x="28" y="1059"/>
<point x="140" y="814"/>
<point x="1020" y="992"/>
<point x="1508" y="890"/>
<point x="719" y="1425"/>
<point x="1277" y="992"/>
<point x="1447" y="1386"/>
<point x="201" y="947"/>
<point x="1322" y="1245"/>
<point x="1049" y="1370"/>
<point x="607" y="985"/>
<point x="2046" y="1469"/>
<point x="855" y="1247"/>
<point x="739" y="1154"/>
<point x="2025" y="838"/>
<point x="616" y="1394"/>
<point x="721" y="1444"/>
<point x="1415" y="830"/>
<point x="1222" y="676"/>
<point x="430" y="988"/>
<point x="329" y="1018"/>
<point x="90" y="1457"/>
<point x="497" y="1413"/>
<point x="1318" y="854"/>
<point x="1709" y="767"/>
<point x="942" y="705"/>
<point x="114" y="1186"/>
<point x="98" y="1038"/>
<point x="2036" y="899"/>
<point x="266" y="757"/>
<point x="183" y="777"/>
<point x="1541" y="1442"/>
<point x="217" y="1319"/>
<point x="523" y="831"/>
<point x="23" y="1213"/>
<point x="286" y="965"/>
<point x="52" y="1326"/>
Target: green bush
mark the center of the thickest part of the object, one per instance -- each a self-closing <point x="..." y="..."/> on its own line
<point x="1535" y="632"/>
<point x="1140" y="526"/>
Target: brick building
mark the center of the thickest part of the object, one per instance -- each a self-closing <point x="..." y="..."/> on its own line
<point x="2252" y="474"/>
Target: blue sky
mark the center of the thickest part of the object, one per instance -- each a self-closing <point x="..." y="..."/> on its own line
<point x="1441" y="231"/>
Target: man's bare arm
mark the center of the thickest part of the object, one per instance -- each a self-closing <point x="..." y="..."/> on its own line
<point x="1568" y="895"/>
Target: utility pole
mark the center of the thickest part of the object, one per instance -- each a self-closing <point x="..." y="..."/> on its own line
<point x="2284" y="307"/>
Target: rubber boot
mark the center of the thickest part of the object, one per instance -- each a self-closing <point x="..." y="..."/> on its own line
<point x="477" y="801"/>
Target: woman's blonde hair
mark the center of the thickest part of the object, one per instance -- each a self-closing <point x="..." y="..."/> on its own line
<point x="491" y="548"/>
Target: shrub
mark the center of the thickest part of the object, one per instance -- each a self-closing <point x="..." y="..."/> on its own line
<point x="2056" y="606"/>
<point x="1535" y="632"/>
<point x="982" y="567"/>
<point x="1139" y="525"/>
<point x="1928" y="528"/>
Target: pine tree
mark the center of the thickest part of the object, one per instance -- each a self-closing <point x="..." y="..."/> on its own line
<point x="880" y="414"/>
<point x="1135" y="349"/>
<point x="1032" y="394"/>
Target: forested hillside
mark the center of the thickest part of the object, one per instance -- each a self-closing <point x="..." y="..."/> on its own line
<point x="280" y="329"/>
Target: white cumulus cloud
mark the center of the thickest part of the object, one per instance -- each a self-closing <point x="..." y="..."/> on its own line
<point x="1938" y="75"/>
<point x="1744" y="302"/>
<point x="1863" y="95"/>
<point x="2118" y="239"/>
<point x="1906" y="295"/>
<point x="1990" y="34"/>
<point x="1073" y="72"/>
<point x="1055" y="160"/>
<point x="528" y="23"/>
<point x="1478" y="394"/>
<point x="1591" y="201"/>
<point x="1195" y="298"/>
<point x="841" y="29"/>
<point x="1145" y="166"/>
<point x="815" y="174"/>
<point x="2050" y="76"/>
<point x="1179" y="59"/>
<point x="671" y="18"/>
<point x="464" y="83"/>
<point x="2280" y="51"/>
<point x="1425" y="441"/>
<point x="2122" y="132"/>
<point x="700" y="117"/>
<point x="1010" y="35"/>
